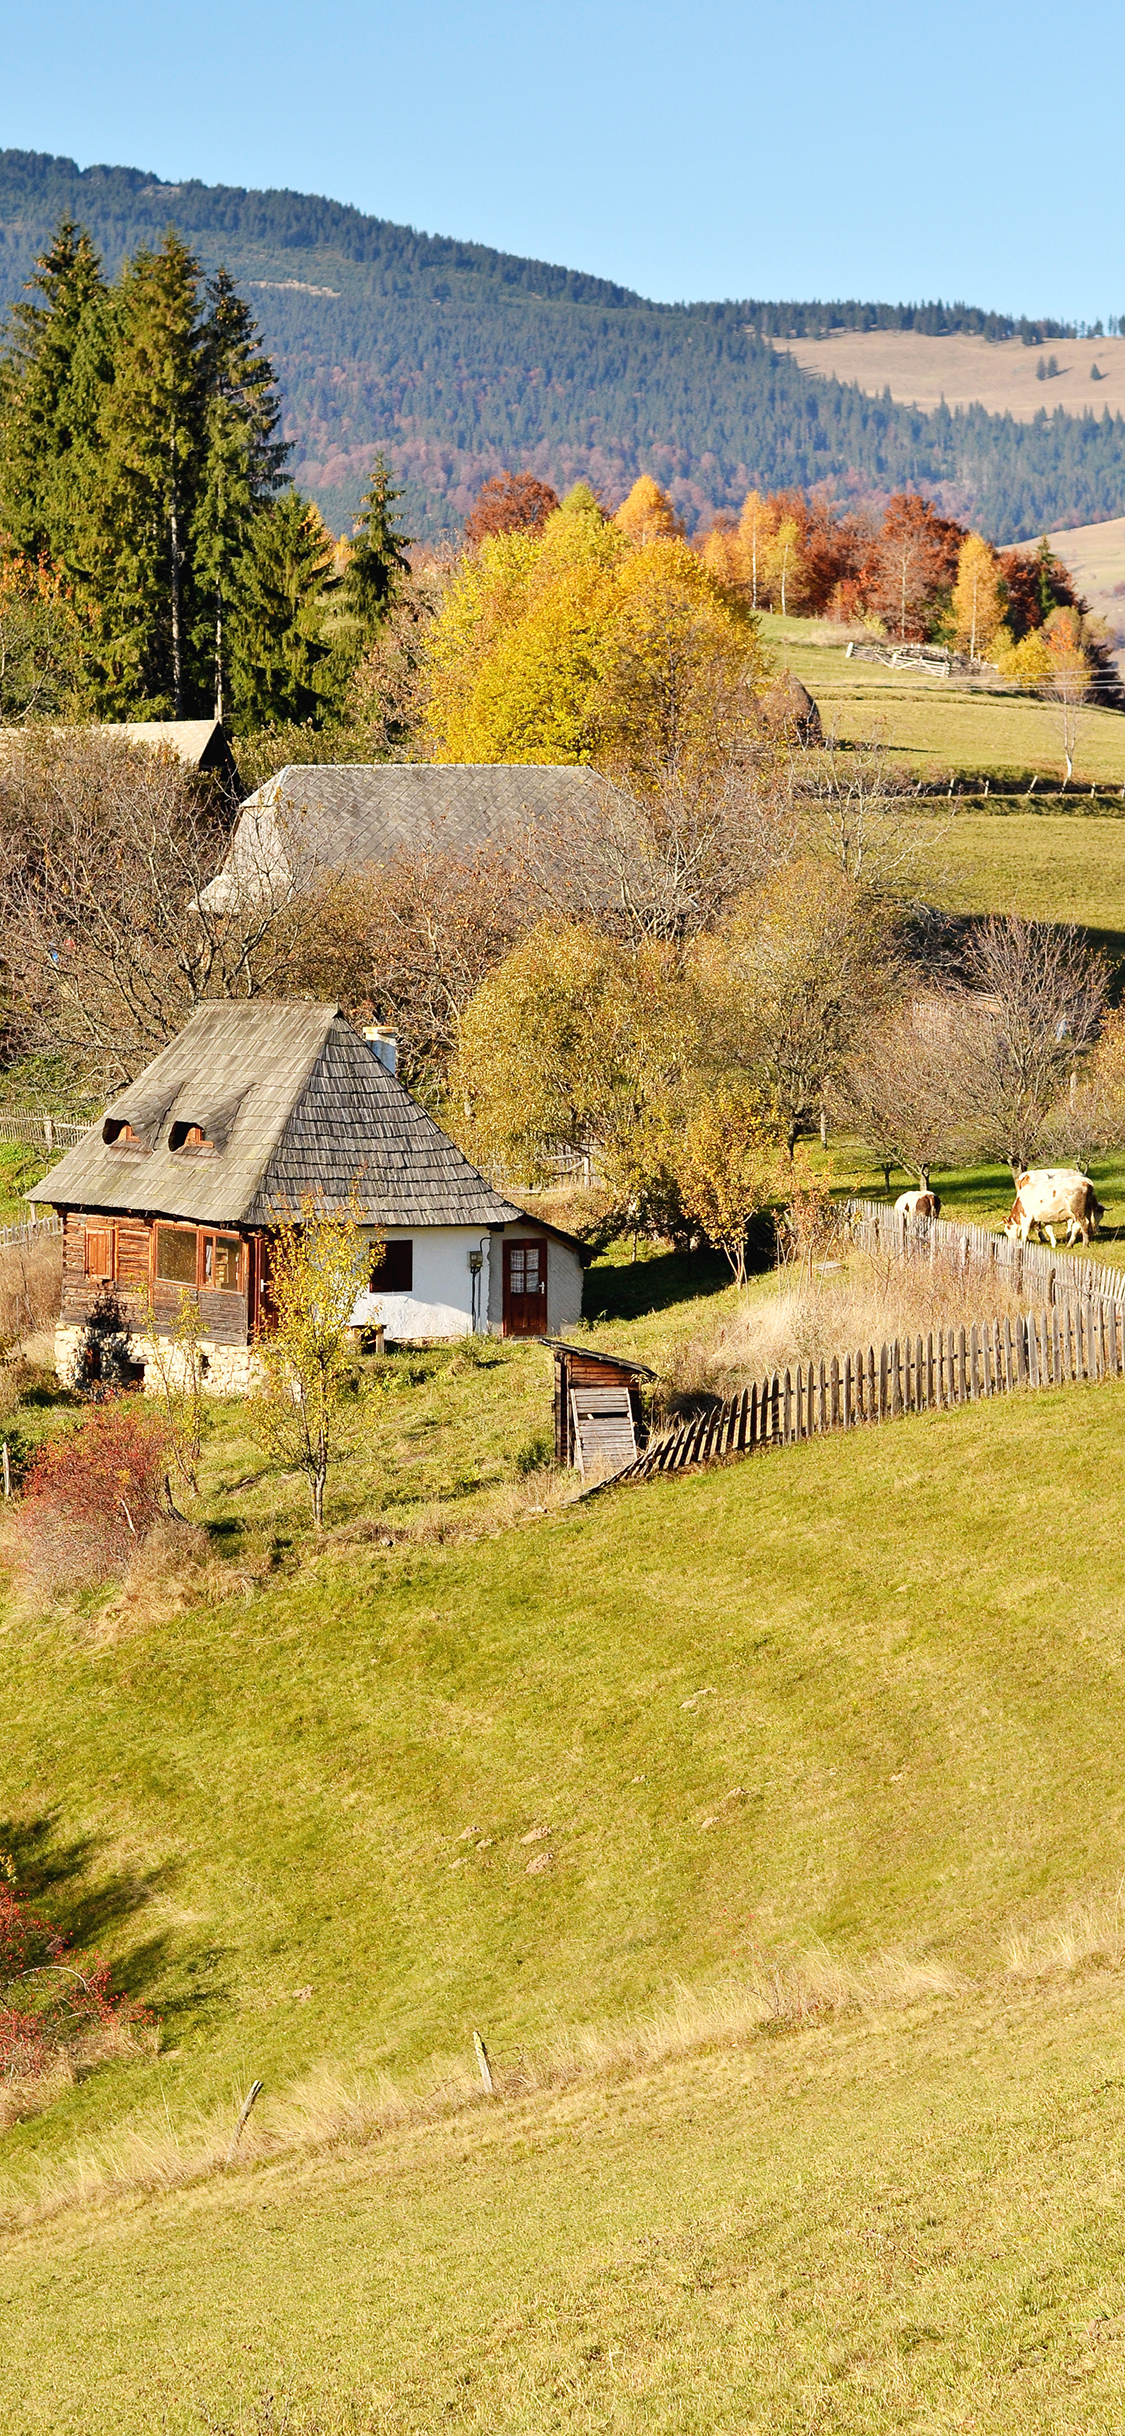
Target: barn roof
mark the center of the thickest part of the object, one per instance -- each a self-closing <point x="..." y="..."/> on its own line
<point x="339" y="814"/>
<point x="293" y="1101"/>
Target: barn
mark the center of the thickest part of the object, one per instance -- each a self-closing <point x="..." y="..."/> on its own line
<point x="179" y="1184"/>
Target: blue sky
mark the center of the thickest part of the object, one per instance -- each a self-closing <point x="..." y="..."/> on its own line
<point x="773" y="148"/>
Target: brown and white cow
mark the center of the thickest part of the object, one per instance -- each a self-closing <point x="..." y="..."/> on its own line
<point x="911" y="1206"/>
<point x="1047" y="1197"/>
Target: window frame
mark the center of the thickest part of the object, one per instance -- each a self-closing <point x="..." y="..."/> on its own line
<point x="399" y="1245"/>
<point x="203" y="1235"/>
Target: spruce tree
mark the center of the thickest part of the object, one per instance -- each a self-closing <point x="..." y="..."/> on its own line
<point x="278" y="651"/>
<point x="379" y="557"/>
<point x="54" y="370"/>
<point x="242" y="461"/>
<point x="152" y="433"/>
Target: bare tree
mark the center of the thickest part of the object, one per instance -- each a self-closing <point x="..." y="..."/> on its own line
<point x="1031" y="1010"/>
<point x="106" y="850"/>
<point x="895" y="1089"/>
<point x="862" y="809"/>
<point x="667" y="863"/>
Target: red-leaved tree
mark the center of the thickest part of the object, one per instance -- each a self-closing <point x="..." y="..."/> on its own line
<point x="510" y="503"/>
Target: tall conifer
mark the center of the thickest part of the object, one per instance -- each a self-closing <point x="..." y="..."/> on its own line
<point x="379" y="556"/>
<point x="54" y="369"/>
<point x="242" y="461"/>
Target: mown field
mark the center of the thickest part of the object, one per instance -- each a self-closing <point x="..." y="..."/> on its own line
<point x="817" y="1839"/>
<point x="937" y="725"/>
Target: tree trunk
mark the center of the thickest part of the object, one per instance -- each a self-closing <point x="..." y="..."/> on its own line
<point x="177" y="615"/>
<point x="219" y="652"/>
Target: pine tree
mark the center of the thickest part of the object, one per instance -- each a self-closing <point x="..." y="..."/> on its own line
<point x="53" y="374"/>
<point x="379" y="556"/>
<point x="277" y="648"/>
<point x="242" y="461"/>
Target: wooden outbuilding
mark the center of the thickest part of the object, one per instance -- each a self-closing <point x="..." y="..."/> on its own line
<point x="599" y="1412"/>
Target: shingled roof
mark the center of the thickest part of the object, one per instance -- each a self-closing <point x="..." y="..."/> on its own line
<point x="293" y="1101"/>
<point x="343" y="814"/>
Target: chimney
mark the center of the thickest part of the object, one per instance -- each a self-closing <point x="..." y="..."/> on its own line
<point x="384" y="1045"/>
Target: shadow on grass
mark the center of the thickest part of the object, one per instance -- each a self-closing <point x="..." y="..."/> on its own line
<point x="626" y="1290"/>
<point x="58" y="1878"/>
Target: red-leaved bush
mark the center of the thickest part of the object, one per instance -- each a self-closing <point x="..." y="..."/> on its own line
<point x="53" y="2015"/>
<point x="89" y="1498"/>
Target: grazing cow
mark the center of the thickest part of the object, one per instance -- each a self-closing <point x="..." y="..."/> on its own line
<point x="911" y="1206"/>
<point x="1047" y="1197"/>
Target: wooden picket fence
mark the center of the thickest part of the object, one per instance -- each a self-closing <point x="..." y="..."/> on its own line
<point x="1034" y="1272"/>
<point x="30" y="1125"/>
<point x="1056" y="1347"/>
<point x="29" y="1231"/>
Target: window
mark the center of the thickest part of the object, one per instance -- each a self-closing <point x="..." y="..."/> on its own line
<point x="119" y="1134"/>
<point x="525" y="1277"/>
<point x="176" y="1255"/>
<point x="394" y="1272"/>
<point x="222" y="1263"/>
<point x="98" y="1251"/>
<point x="188" y="1137"/>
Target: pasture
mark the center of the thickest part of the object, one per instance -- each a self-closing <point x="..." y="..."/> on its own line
<point x="939" y="726"/>
<point x="781" y="1885"/>
<point x="1000" y="374"/>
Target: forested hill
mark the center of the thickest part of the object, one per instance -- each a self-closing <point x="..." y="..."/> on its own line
<point x="458" y="360"/>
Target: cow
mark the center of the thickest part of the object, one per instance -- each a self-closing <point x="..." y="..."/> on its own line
<point x="1047" y="1197"/>
<point x="912" y="1206"/>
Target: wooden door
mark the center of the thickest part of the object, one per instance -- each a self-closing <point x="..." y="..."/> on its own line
<point x="525" y="1287"/>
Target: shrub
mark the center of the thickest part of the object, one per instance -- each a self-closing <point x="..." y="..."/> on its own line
<point x="53" y="2015"/>
<point x="90" y="1497"/>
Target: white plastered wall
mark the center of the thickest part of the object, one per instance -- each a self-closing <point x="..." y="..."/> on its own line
<point x="441" y="1304"/>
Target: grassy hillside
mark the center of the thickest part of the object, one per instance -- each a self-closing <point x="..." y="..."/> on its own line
<point x="936" y="724"/>
<point x="843" y="1777"/>
<point x="966" y="368"/>
<point x="459" y="360"/>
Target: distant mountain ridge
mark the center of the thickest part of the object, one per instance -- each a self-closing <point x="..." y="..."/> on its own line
<point x="458" y="359"/>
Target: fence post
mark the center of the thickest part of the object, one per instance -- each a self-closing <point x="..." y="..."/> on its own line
<point x="896" y="1382"/>
<point x="962" y="1350"/>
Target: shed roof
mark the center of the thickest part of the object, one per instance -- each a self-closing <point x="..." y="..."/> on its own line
<point x="201" y="744"/>
<point x="339" y="814"/>
<point x="293" y="1102"/>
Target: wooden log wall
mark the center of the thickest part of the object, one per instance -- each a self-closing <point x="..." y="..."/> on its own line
<point x="1056" y="1347"/>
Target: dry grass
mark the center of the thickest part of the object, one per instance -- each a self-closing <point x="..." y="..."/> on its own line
<point x="327" y="2110"/>
<point x="118" y="2040"/>
<point x="30" y="1289"/>
<point x="833" y="1307"/>
<point x="1088" y="1932"/>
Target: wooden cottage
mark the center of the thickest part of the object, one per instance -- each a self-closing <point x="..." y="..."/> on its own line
<point x="180" y="1183"/>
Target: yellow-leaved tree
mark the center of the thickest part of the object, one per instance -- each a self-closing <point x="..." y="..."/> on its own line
<point x="577" y="645"/>
<point x="784" y="566"/>
<point x="727" y="1167"/>
<point x="320" y="1260"/>
<point x="648" y="514"/>
<point x="756" y="527"/>
<point x="979" y="600"/>
<point x="556" y="1049"/>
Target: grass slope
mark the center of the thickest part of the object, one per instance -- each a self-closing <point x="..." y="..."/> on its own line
<point x="934" y="722"/>
<point x="880" y="1708"/>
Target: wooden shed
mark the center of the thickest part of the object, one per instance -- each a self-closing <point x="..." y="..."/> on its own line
<point x="599" y="1417"/>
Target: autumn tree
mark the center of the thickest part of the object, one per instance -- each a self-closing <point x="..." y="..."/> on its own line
<point x="726" y="1165"/>
<point x="510" y="503"/>
<point x="896" y="1090"/>
<point x="756" y="526"/>
<point x="106" y="850"/>
<point x="911" y="567"/>
<point x="979" y="599"/>
<point x="320" y="1262"/>
<point x="648" y="514"/>
<point x="802" y="966"/>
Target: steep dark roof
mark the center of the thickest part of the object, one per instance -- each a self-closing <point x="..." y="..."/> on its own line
<point x="293" y="1102"/>
<point x="338" y="814"/>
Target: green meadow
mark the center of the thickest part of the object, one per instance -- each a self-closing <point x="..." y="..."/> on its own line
<point x="781" y="1882"/>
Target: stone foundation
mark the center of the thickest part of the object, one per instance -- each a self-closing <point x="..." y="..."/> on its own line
<point x="228" y="1370"/>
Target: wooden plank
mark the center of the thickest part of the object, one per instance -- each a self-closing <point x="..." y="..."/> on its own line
<point x="896" y="1381"/>
<point x="834" y="1397"/>
<point x="884" y="1367"/>
<point x="822" y="1405"/>
<point x="962" y="1354"/>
